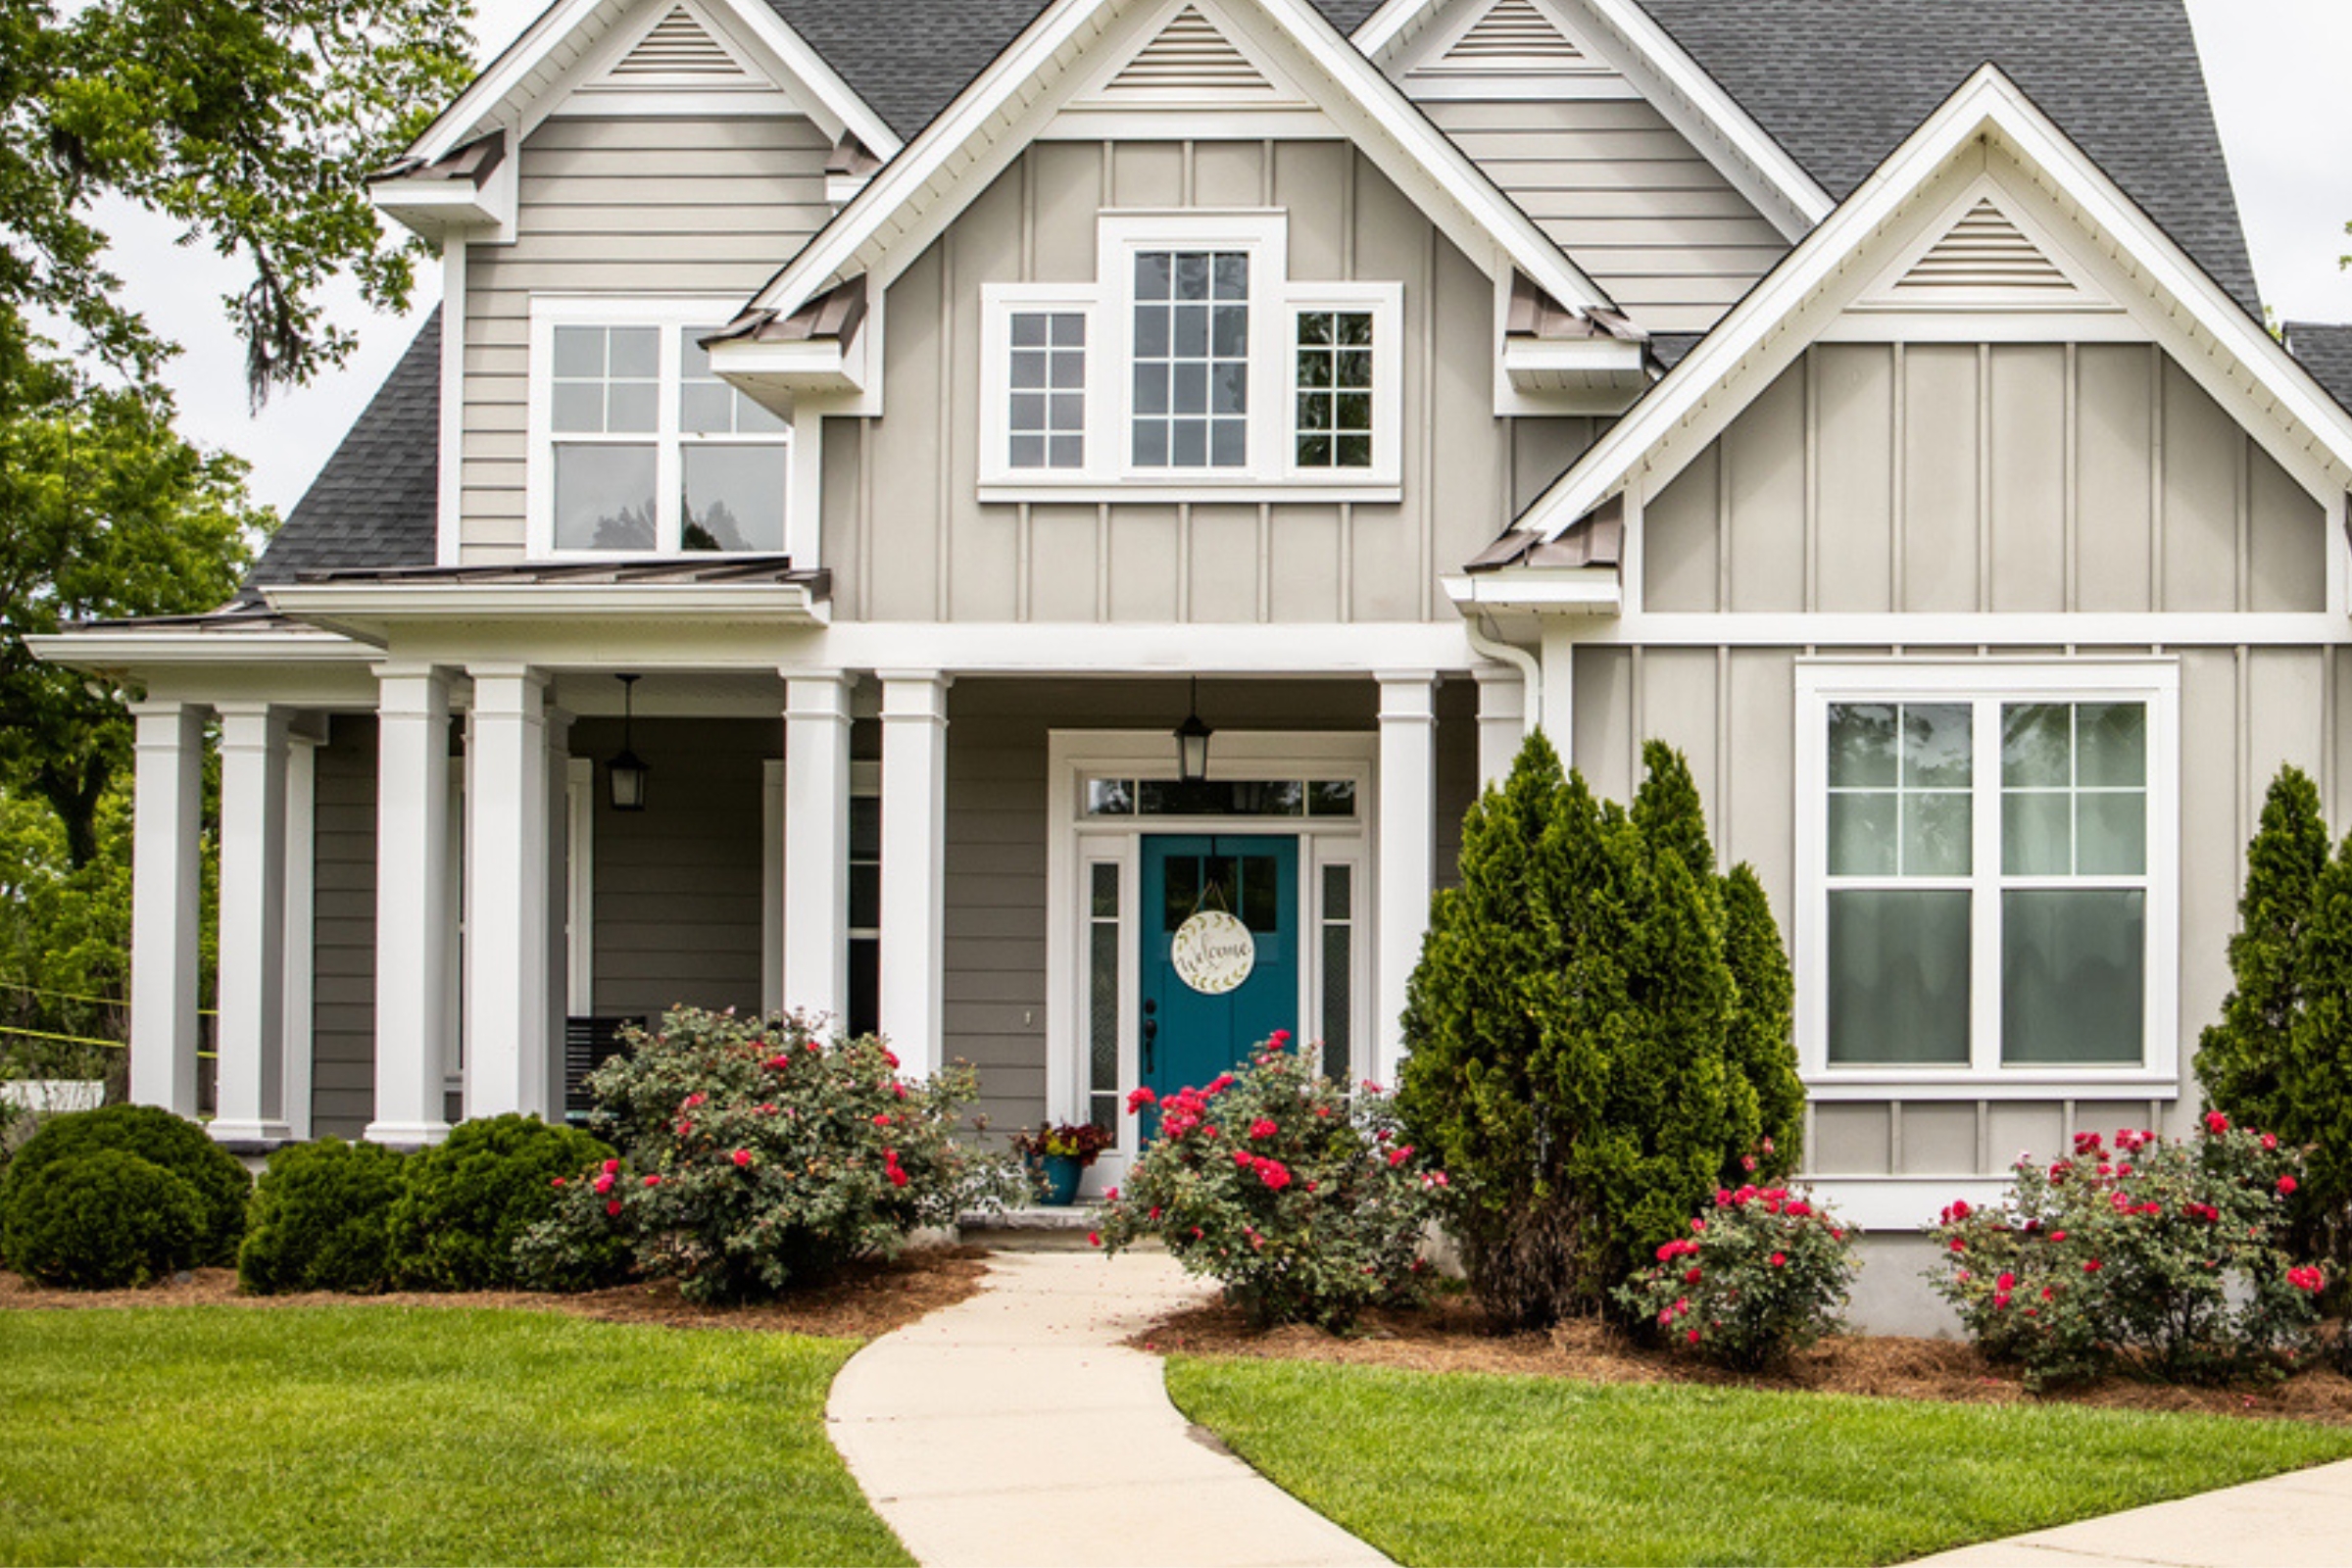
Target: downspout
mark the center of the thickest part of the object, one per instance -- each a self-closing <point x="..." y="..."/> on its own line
<point x="1530" y="671"/>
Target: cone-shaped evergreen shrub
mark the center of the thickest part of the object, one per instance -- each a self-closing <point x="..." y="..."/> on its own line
<point x="2240" y="1059"/>
<point x="1570" y="1032"/>
<point x="1763" y="1036"/>
<point x="2312" y="1102"/>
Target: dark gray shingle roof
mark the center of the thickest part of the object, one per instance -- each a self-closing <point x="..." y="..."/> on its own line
<point x="908" y="59"/>
<point x="2325" y="350"/>
<point x="377" y="501"/>
<point x="1840" y="84"/>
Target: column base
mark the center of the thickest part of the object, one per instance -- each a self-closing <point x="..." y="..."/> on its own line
<point x="406" y="1133"/>
<point x="250" y="1132"/>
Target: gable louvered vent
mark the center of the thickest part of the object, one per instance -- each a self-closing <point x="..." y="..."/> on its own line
<point x="678" y="47"/>
<point x="1513" y="36"/>
<point x="1189" y="55"/>
<point x="1984" y="250"/>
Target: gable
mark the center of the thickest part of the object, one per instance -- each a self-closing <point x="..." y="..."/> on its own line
<point x="1513" y="35"/>
<point x="679" y="50"/>
<point x="1189" y="59"/>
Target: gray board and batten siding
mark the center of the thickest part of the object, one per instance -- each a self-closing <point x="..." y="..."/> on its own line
<point x="908" y="537"/>
<point x="616" y="206"/>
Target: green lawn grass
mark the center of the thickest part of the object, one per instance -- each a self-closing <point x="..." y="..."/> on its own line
<point x="1478" y="1468"/>
<point x="422" y="1435"/>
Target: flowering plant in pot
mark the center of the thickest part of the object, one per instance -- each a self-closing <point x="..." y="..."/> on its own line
<point x="1057" y="1153"/>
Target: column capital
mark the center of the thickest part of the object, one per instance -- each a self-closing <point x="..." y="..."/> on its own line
<point x="914" y="694"/>
<point x="163" y="708"/>
<point x="1408" y="697"/>
<point x="818" y="697"/>
<point x="509" y="691"/>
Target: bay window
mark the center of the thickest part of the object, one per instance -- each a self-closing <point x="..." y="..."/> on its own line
<point x="1987" y="863"/>
<point x="1192" y="362"/>
<point x="636" y="447"/>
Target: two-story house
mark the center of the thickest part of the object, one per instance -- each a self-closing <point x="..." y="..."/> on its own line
<point x="905" y="505"/>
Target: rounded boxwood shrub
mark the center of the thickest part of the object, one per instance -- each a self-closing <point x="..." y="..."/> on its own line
<point x="103" y="1219"/>
<point x="320" y="1219"/>
<point x="177" y="1144"/>
<point x="465" y="1200"/>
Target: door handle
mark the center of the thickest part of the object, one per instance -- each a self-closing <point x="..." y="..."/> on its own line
<point x="1151" y="1033"/>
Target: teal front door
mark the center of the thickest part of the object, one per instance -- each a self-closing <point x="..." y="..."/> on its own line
<point x="1196" y="1022"/>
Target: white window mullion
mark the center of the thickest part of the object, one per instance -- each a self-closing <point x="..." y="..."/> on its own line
<point x="668" y="529"/>
<point x="1984" y="901"/>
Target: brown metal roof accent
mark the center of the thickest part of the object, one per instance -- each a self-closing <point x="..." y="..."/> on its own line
<point x="705" y="572"/>
<point x="1536" y="315"/>
<point x="472" y="163"/>
<point x="836" y="313"/>
<point x="851" y="158"/>
<point x="1595" y="539"/>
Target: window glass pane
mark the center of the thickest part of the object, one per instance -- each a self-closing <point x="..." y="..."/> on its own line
<point x="634" y="352"/>
<point x="1862" y="751"/>
<point x="1109" y="797"/>
<point x="2110" y="744"/>
<point x="1151" y="272"/>
<point x="603" y="498"/>
<point x="1898" y="981"/>
<point x="2037" y="745"/>
<point x="1180" y="887"/>
<point x="577" y="407"/>
<point x="1104" y="891"/>
<point x="1190" y="359"/>
<point x="2073" y="976"/>
<point x="631" y="407"/>
<point x="1281" y="796"/>
<point x="1936" y="746"/>
<point x="1339" y="883"/>
<point x="1339" y="980"/>
<point x="733" y="497"/>
<point x="2111" y="833"/>
<point x="707" y="408"/>
<point x="865" y="827"/>
<point x="866" y="897"/>
<point x="1103" y="1000"/>
<point x="580" y="353"/>
<point x="1936" y="833"/>
<point x="1049" y="430"/>
<point x="1331" y="797"/>
<point x="1260" y="894"/>
<point x="1324" y="422"/>
<point x="2037" y="833"/>
<point x="1862" y="828"/>
<point x="866" y="986"/>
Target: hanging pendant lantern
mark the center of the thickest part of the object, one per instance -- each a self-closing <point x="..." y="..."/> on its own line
<point x="626" y="772"/>
<point x="1192" y="742"/>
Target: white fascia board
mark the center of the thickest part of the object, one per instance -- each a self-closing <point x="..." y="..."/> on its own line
<point x="433" y="208"/>
<point x="508" y="77"/>
<point x="368" y="612"/>
<point x="1986" y="102"/>
<point x="1719" y="117"/>
<point x="139" y="648"/>
<point x="816" y="365"/>
<point x="1554" y="590"/>
<point x="1002" y="108"/>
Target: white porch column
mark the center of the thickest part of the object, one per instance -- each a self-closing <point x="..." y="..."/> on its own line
<point x="1501" y="722"/>
<point x="414" y="908"/>
<point x="1406" y="847"/>
<point x="559" y="898"/>
<point x="914" y="883"/>
<point x="816" y="845"/>
<point x="506" y="1023"/>
<point x="1559" y="690"/>
<point x="251" y="1082"/>
<point x="302" y="909"/>
<point x="165" y="878"/>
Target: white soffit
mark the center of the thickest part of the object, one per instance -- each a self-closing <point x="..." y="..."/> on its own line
<point x="1987" y="122"/>
<point x="576" y="42"/>
<point x="1073" y="45"/>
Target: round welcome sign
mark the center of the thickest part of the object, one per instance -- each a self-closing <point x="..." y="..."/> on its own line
<point x="1213" y="952"/>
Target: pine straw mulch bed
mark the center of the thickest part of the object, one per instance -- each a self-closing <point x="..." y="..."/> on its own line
<point x="868" y="1299"/>
<point x="1452" y="1336"/>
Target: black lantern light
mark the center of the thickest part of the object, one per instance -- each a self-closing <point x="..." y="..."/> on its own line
<point x="1192" y="742"/>
<point x="627" y="770"/>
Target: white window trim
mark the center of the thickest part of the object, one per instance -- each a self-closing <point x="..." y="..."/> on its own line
<point x="1275" y="301"/>
<point x="2154" y="681"/>
<point x="671" y="314"/>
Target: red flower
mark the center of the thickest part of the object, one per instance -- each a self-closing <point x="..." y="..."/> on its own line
<point x="1397" y="1156"/>
<point x="604" y="1182"/>
<point x="2286" y="1185"/>
<point x="558" y="1182"/>
<point x="2006" y="1282"/>
<point x="1279" y="1039"/>
<point x="2215" y="1122"/>
<point x="1692" y="1276"/>
<point x="1799" y="1209"/>
<point x="881" y="1118"/>
<point x="1956" y="1211"/>
<point x="1111" y="1196"/>
<point x="1094" y="1238"/>
<point x="614" y="1208"/>
<point x="1780" y="1259"/>
<point x="779" y="1061"/>
<point x="898" y="1177"/>
<point x="1272" y="1174"/>
<point x="743" y="1157"/>
<point x="2092" y="1265"/>
<point x="611" y="1167"/>
<point x="2306" y="1279"/>
<point x="1139" y="1098"/>
<point x="1263" y="1128"/>
<point x="2057" y="1236"/>
<point x="696" y="1099"/>
<point x="653" y="1179"/>
<point x="1690" y="1338"/>
<point x="1959" y="1244"/>
<point x="2269" y="1141"/>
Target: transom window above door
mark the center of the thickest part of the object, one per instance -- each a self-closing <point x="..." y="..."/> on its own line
<point x="1192" y="362"/>
<point x="636" y="447"/>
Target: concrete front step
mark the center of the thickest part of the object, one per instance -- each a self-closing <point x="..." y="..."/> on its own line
<point x="1033" y="1230"/>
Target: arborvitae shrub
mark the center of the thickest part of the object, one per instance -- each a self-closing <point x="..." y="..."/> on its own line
<point x="103" y="1219"/>
<point x="1763" y="1036"/>
<point x="465" y="1200"/>
<point x="320" y="1219"/>
<point x="174" y="1143"/>
<point x="2241" y="1058"/>
<point x="1570" y="1032"/>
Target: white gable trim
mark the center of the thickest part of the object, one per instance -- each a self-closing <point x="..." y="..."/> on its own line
<point x="1898" y="286"/>
<point x="915" y="196"/>
<point x="1726" y="134"/>
<point x="520" y="87"/>
<point x="2229" y="354"/>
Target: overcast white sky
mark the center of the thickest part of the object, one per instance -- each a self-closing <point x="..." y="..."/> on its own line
<point x="2275" y="69"/>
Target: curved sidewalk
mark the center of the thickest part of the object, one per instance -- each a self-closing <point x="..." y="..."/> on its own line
<point x="2302" y="1519"/>
<point x="1013" y="1428"/>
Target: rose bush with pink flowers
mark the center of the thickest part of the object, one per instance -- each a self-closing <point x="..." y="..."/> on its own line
<point x="756" y="1155"/>
<point x="1763" y="1272"/>
<point x="1305" y="1200"/>
<point x="2160" y="1257"/>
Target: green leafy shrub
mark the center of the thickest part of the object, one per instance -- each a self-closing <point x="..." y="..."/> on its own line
<point x="1306" y="1203"/>
<point x="1583" y="1061"/>
<point x="467" y="1201"/>
<point x="104" y="1220"/>
<point x="320" y="1219"/>
<point x="759" y="1157"/>
<point x="1762" y="1273"/>
<point x="2155" y="1257"/>
<point x="174" y="1143"/>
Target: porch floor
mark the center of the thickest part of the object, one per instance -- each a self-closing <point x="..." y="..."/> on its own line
<point x="1014" y="1428"/>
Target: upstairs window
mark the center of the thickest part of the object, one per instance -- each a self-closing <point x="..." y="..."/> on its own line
<point x="637" y="447"/>
<point x="1192" y="363"/>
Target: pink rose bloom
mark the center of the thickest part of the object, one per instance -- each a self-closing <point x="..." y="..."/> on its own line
<point x="604" y="1182"/>
<point x="1690" y="1338"/>
<point x="1272" y="1174"/>
<point x="1780" y="1259"/>
<point x="654" y="1179"/>
<point x="612" y="1208"/>
<point x="611" y="1167"/>
<point x="1139" y="1098"/>
<point x="743" y="1157"/>
<point x="2269" y="1141"/>
<point x="558" y="1182"/>
<point x="2215" y="1122"/>
<point x="1263" y="1128"/>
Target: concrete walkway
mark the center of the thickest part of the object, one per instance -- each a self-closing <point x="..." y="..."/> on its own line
<point x="2299" y="1520"/>
<point x="1013" y="1429"/>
